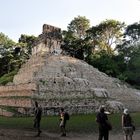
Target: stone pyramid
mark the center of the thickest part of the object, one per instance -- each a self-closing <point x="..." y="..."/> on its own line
<point x="57" y="80"/>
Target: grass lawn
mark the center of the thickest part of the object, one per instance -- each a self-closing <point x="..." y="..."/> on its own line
<point x="77" y="123"/>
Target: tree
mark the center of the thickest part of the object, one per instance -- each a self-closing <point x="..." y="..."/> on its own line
<point x="133" y="67"/>
<point x="5" y="42"/>
<point x="6" y="47"/>
<point x="106" y="35"/>
<point x="75" y="42"/>
<point x="130" y="43"/>
<point x="27" y="42"/>
<point x="103" y="40"/>
<point x="105" y="62"/>
<point x="9" y="59"/>
<point x="129" y="49"/>
<point x="78" y="27"/>
<point x="132" y="33"/>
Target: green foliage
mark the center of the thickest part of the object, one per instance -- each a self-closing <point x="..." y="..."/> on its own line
<point x="27" y="42"/>
<point x="122" y="77"/>
<point x="7" y="78"/>
<point x="13" y="55"/>
<point x="5" y="42"/>
<point x="7" y="58"/>
<point x="75" y="43"/>
<point x="16" y="97"/>
<point x="130" y="51"/>
<point x="6" y="50"/>
<point x="10" y="62"/>
<point x="132" y="33"/>
<point x="78" y="26"/>
<point x="10" y="109"/>
<point x="104" y="62"/>
<point x="43" y="82"/>
<point x="106" y="35"/>
<point x="133" y="68"/>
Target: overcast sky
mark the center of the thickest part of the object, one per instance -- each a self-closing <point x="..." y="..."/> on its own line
<point x="27" y="16"/>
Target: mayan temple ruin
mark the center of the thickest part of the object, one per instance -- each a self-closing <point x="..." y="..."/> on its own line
<point x="56" y="80"/>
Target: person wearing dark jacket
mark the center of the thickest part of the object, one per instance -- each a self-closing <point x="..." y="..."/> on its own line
<point x="37" y="119"/>
<point x="103" y="124"/>
<point x="127" y="125"/>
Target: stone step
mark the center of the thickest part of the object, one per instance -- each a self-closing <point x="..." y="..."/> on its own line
<point x="27" y="71"/>
<point x="16" y="102"/>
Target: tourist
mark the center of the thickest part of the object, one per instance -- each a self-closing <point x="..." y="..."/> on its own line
<point x="127" y="125"/>
<point x="64" y="116"/>
<point x="104" y="125"/>
<point x="37" y="119"/>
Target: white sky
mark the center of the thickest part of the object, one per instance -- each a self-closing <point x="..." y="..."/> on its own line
<point x="27" y="16"/>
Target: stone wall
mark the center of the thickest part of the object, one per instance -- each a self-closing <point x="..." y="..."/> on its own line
<point x="49" y="41"/>
<point x="18" y="90"/>
<point x="16" y="102"/>
<point x="51" y="29"/>
<point x="16" y="99"/>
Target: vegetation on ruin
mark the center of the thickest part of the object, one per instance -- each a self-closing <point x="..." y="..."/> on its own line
<point x="16" y="97"/>
<point x="6" y="78"/>
<point x="10" y="109"/>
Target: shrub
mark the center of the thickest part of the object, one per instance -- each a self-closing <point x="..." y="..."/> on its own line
<point x="7" y="78"/>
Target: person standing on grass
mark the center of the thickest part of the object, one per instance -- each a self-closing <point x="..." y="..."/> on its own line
<point x="103" y="124"/>
<point x="64" y="116"/>
<point x="127" y="125"/>
<point x="37" y="119"/>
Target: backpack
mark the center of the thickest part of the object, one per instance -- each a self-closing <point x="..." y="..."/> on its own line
<point x="39" y="112"/>
<point x="66" y="116"/>
<point x="127" y="120"/>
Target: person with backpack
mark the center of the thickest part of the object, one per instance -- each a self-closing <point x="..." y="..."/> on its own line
<point x="64" y="116"/>
<point x="103" y="123"/>
<point x="127" y="125"/>
<point x="37" y="119"/>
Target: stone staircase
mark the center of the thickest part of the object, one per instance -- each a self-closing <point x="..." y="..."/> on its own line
<point x="27" y="70"/>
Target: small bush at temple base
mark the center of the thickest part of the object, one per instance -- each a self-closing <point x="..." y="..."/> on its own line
<point x="7" y="78"/>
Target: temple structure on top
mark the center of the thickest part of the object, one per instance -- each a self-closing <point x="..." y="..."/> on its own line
<point x="49" y="41"/>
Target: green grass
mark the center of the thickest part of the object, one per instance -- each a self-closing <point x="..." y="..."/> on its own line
<point x="77" y="123"/>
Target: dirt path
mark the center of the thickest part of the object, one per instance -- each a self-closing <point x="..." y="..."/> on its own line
<point x="13" y="134"/>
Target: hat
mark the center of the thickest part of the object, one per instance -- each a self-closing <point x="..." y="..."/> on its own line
<point x="107" y="112"/>
<point x="102" y="108"/>
<point x="126" y="112"/>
